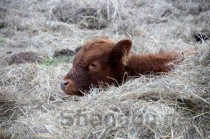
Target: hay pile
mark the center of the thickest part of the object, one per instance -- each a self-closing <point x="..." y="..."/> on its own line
<point x="32" y="105"/>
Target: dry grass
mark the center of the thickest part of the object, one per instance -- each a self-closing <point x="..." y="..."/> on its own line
<point x="32" y="105"/>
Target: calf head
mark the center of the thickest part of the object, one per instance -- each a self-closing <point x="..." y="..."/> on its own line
<point x="98" y="63"/>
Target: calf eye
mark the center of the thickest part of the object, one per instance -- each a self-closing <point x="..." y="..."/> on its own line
<point x="95" y="66"/>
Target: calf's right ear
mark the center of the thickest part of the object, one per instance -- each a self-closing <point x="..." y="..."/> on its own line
<point x="120" y="51"/>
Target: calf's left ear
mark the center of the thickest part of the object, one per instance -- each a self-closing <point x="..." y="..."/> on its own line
<point x="120" y="51"/>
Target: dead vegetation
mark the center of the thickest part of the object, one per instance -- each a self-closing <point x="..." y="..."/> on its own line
<point x="175" y="105"/>
<point x="25" y="57"/>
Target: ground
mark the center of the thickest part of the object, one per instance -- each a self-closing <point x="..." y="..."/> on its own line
<point x="32" y="105"/>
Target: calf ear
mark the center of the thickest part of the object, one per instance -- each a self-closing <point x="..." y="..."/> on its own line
<point x="120" y="51"/>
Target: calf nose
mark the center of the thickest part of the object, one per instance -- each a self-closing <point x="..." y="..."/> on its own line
<point x="64" y="84"/>
<point x="69" y="87"/>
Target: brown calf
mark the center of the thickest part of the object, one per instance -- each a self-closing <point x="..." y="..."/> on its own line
<point x="101" y="62"/>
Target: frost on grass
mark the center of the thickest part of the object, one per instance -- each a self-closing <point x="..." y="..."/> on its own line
<point x="175" y="105"/>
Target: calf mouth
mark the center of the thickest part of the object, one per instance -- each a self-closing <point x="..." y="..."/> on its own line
<point x="71" y="92"/>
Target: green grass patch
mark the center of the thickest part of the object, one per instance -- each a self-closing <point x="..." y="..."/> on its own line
<point x="2" y="40"/>
<point x="57" y="61"/>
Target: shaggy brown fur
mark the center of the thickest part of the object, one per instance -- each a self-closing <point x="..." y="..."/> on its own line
<point x="101" y="62"/>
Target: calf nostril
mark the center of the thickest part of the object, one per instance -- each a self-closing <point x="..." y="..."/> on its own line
<point x="66" y="83"/>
